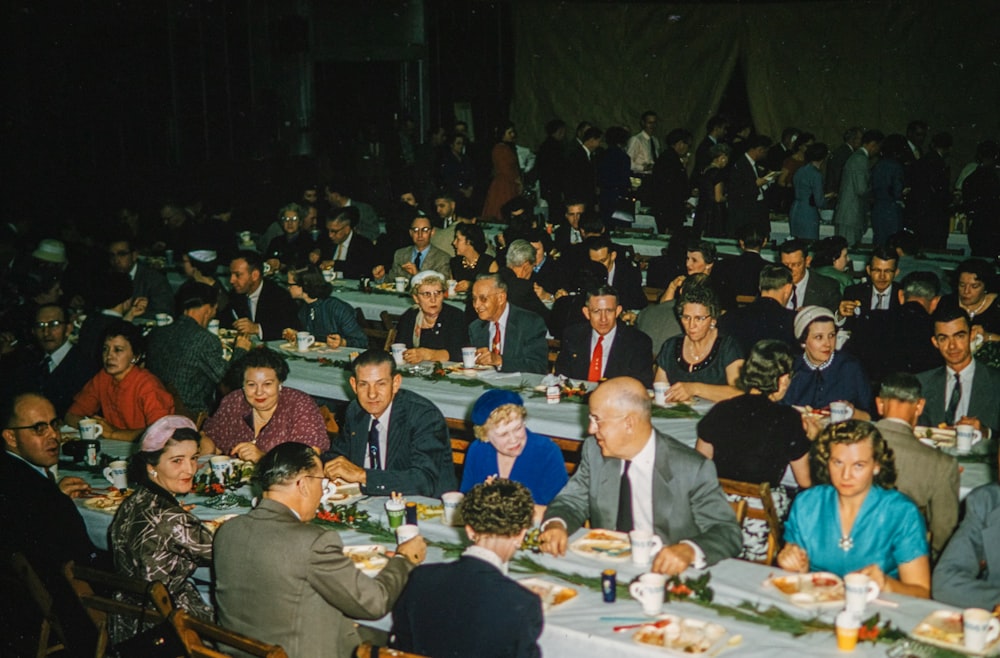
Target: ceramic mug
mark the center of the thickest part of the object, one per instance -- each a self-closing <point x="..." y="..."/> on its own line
<point x="648" y="590"/>
<point x="115" y="474"/>
<point x="304" y="340"/>
<point x="90" y="429"/>
<point x="644" y="546"/>
<point x="859" y="589"/>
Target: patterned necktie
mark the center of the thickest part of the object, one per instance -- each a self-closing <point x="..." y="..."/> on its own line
<point x="496" y="339"/>
<point x="624" y="523"/>
<point x="416" y="261"/>
<point x="373" y="452"/>
<point x="594" y="374"/>
<point x="956" y="396"/>
<point x="879" y="303"/>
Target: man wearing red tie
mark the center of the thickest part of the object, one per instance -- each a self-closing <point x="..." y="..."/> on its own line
<point x="507" y="337"/>
<point x="604" y="347"/>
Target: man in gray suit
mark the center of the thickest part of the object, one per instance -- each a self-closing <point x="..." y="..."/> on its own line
<point x="283" y="580"/>
<point x="926" y="475"/>
<point x="506" y="337"/>
<point x="147" y="284"/>
<point x="633" y="477"/>
<point x="421" y="257"/>
<point x="964" y="390"/>
<point x="855" y="189"/>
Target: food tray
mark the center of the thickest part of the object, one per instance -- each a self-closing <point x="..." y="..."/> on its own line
<point x="606" y="545"/>
<point x="943" y="628"/>
<point x="682" y="637"/>
<point x="551" y="594"/>
<point x="811" y="590"/>
<point x="370" y="559"/>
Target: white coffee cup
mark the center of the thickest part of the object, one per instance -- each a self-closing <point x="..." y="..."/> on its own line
<point x="406" y="532"/>
<point x="401" y="282"/>
<point x="644" y="546"/>
<point x="213" y="326"/>
<point x="859" y="589"/>
<point x="397" y="352"/>
<point x="451" y="287"/>
<point x="648" y="590"/>
<point x="468" y="357"/>
<point x="660" y="392"/>
<point x="840" y="411"/>
<point x="304" y="340"/>
<point x="965" y="436"/>
<point x="329" y="275"/>
<point x="90" y="429"/>
<point x="221" y="467"/>
<point x="451" y="500"/>
<point x="163" y="319"/>
<point x="979" y="628"/>
<point x="115" y="473"/>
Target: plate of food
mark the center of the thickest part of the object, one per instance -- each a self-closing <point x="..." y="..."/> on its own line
<point x="811" y="590"/>
<point x="935" y="437"/>
<point x="551" y="594"/>
<point x="341" y="492"/>
<point x="315" y="348"/>
<point x="425" y="512"/>
<point x="104" y="502"/>
<point x="607" y="545"/>
<point x="213" y="524"/>
<point x="943" y="628"/>
<point x="370" y="559"/>
<point x="681" y="636"/>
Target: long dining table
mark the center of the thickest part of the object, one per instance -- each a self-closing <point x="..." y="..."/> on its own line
<point x="584" y="625"/>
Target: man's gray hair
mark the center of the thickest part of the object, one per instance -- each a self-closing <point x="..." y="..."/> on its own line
<point x="920" y="285"/>
<point x="901" y="386"/>
<point x="495" y="278"/>
<point x="520" y="252"/>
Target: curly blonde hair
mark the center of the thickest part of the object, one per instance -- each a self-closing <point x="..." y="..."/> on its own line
<point x="849" y="432"/>
<point x="502" y="414"/>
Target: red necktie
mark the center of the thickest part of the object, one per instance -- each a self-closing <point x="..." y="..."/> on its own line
<point x="594" y="374"/>
<point x="496" y="339"/>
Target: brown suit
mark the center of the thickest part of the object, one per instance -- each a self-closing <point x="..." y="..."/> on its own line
<point x="928" y="477"/>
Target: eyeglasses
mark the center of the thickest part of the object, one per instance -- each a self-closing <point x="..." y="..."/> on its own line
<point x="695" y="318"/>
<point x="53" y="324"/>
<point x="40" y="428"/>
<point x="597" y="421"/>
<point x="325" y="479"/>
<point x="422" y="229"/>
<point x="289" y="220"/>
<point x="430" y="294"/>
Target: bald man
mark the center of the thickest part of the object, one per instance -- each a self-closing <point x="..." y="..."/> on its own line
<point x="631" y="476"/>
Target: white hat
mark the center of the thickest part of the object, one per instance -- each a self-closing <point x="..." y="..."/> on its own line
<point x="51" y="251"/>
<point x="419" y="277"/>
<point x="806" y="315"/>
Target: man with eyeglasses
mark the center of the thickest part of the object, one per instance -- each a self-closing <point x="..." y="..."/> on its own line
<point x="422" y="256"/>
<point x="505" y="336"/>
<point x="274" y="554"/>
<point x="147" y="284"/>
<point x="56" y="368"/>
<point x="291" y="249"/>
<point x="633" y="477"/>
<point x="604" y="347"/>
<point x="344" y="249"/>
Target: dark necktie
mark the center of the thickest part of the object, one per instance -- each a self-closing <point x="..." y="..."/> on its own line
<point x="50" y="475"/>
<point x="416" y="261"/>
<point x="652" y="149"/>
<point x="794" y="301"/>
<point x="594" y="374"/>
<point x="373" y="452"/>
<point x="45" y="369"/>
<point x="624" y="523"/>
<point x="956" y="395"/>
<point x="881" y="299"/>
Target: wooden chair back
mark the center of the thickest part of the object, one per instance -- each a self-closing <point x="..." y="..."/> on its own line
<point x="653" y="294"/>
<point x="743" y="300"/>
<point x="329" y="420"/>
<point x="389" y="320"/>
<point x="739" y="509"/>
<point x="194" y="633"/>
<point x="368" y="650"/>
<point x="554" y="346"/>
<point x="50" y="627"/>
<point x="766" y="512"/>
<point x="379" y="337"/>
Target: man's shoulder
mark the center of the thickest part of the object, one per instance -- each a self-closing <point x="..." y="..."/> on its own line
<point x="903" y="441"/>
<point x="858" y="291"/>
<point x="411" y="402"/>
<point x="819" y="281"/>
<point x="524" y="317"/>
<point x="576" y="333"/>
<point x="984" y="498"/>
<point x="631" y="338"/>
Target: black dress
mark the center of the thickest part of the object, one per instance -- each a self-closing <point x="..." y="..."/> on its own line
<point x="462" y="273"/>
<point x="709" y="215"/>
<point x="450" y="332"/>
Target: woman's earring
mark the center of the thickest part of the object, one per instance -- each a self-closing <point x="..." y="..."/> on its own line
<point x="153" y="472"/>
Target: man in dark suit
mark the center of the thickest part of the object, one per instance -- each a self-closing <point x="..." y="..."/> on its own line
<point x="603" y="347"/>
<point x="808" y="288"/>
<point x="746" y="188"/>
<point x="622" y="273"/>
<point x="338" y="197"/>
<point x="929" y="200"/>
<point x="392" y="439"/>
<point x="906" y="345"/>
<point x="507" y="337"/>
<point x="964" y="391"/>
<point x="686" y="509"/>
<point x="767" y="316"/>
<point x="517" y="274"/>
<point x="274" y="553"/>
<point x="147" y="283"/>
<point x="568" y="232"/>
<point x="738" y="276"/>
<point x="670" y="184"/>
<point x="550" y="161"/>
<point x="580" y="176"/>
<point x="715" y="134"/>
<point x="485" y="613"/>
<point x="345" y="250"/>
<point x="869" y="308"/>
<point x="257" y="307"/>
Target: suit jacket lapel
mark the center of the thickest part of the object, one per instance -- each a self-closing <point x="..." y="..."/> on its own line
<point x="608" y="487"/>
<point x="663" y="498"/>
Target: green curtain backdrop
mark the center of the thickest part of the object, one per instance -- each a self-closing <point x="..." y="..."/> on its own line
<point x="820" y="66"/>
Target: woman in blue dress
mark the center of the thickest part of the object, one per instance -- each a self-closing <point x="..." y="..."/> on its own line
<point x="325" y="317"/>
<point x="855" y="520"/>
<point x="508" y="449"/>
<point x="803" y="218"/>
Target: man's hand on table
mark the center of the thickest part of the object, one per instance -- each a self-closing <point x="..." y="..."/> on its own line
<point x="673" y="560"/>
<point x="335" y="341"/>
<point x="345" y="469"/>
<point x="73" y="486"/>
<point x="414" y="550"/>
<point x="484" y="357"/>
<point x="139" y="305"/>
<point x="246" y="326"/>
<point x="554" y="540"/>
<point x="247" y="451"/>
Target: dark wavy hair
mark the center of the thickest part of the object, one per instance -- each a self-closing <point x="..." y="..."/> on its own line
<point x="767" y="362"/>
<point x="848" y="432"/>
<point x="474" y="234"/>
<point x="698" y="294"/>
<point x="137" y="463"/>
<point x="262" y="358"/>
<point x="501" y="507"/>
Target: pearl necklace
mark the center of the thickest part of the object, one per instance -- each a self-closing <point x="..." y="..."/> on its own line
<point x="971" y="313"/>
<point x="469" y="265"/>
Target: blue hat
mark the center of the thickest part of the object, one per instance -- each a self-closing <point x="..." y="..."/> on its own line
<point x="490" y="401"/>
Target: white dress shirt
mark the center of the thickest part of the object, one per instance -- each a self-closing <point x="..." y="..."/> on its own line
<point x="966" y="376"/>
<point x="383" y="439"/>
<point x="609" y="338"/>
<point x="503" y="329"/>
